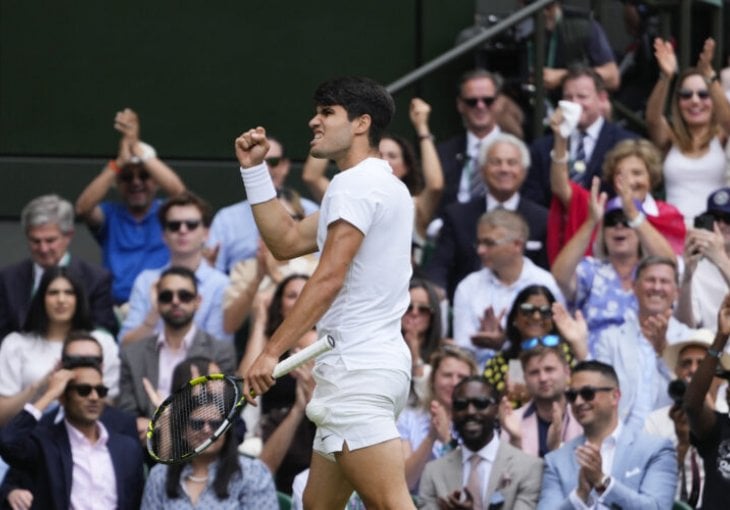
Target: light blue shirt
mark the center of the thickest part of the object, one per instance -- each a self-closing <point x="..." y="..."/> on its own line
<point x="209" y="317"/>
<point x="234" y="230"/>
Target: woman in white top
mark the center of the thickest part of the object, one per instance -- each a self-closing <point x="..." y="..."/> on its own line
<point x="58" y="307"/>
<point x="694" y="140"/>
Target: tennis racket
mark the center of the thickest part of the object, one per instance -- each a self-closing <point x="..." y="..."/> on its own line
<point x="193" y="417"/>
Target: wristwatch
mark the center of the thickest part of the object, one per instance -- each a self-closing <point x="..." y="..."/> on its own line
<point x="601" y="487"/>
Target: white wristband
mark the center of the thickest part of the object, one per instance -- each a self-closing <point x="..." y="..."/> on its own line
<point x="258" y="183"/>
<point x="640" y="218"/>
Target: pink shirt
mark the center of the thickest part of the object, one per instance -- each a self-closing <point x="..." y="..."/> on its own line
<point x="94" y="483"/>
<point x="169" y="358"/>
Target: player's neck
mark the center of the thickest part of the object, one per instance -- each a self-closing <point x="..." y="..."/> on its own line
<point x="358" y="152"/>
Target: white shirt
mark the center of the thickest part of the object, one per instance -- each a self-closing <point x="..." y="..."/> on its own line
<point x="365" y="317"/>
<point x="169" y="358"/>
<point x="510" y="204"/>
<point x="608" y="453"/>
<point x="482" y="289"/>
<point x="488" y="453"/>
<point x="589" y="140"/>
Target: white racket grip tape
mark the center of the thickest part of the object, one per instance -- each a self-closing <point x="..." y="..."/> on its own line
<point x="324" y="344"/>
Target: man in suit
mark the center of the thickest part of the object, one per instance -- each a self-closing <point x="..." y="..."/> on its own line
<point x="79" y="350"/>
<point x="48" y="223"/>
<point x="483" y="472"/>
<point x="503" y="162"/>
<point x="588" y="143"/>
<point x="154" y="358"/>
<point x="609" y="466"/>
<point x="78" y="458"/>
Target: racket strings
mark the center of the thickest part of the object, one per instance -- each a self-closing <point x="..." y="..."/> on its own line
<point x="192" y="417"/>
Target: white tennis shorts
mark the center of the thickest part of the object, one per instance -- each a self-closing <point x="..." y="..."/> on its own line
<point x="359" y="407"/>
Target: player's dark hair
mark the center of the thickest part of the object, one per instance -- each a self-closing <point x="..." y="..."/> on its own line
<point x="359" y="96"/>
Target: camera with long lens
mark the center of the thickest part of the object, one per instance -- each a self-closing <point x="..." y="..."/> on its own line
<point x="676" y="390"/>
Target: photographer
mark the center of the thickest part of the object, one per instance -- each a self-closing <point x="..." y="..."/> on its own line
<point x="710" y="430"/>
<point x="671" y="421"/>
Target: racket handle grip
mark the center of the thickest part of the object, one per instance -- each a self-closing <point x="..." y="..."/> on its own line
<point x="297" y="359"/>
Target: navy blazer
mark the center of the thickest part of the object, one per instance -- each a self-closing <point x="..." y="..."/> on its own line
<point x="537" y="185"/>
<point x="45" y="451"/>
<point x="16" y="286"/>
<point x="112" y="418"/>
<point x="452" y="155"/>
<point x="455" y="255"/>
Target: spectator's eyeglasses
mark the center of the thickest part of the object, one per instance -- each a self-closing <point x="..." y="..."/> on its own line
<point x="128" y="177"/>
<point x="587" y="393"/>
<point x="199" y="424"/>
<point x="545" y="341"/>
<point x="614" y="220"/>
<point x="84" y="390"/>
<point x="166" y="296"/>
<point x="419" y="309"/>
<point x="274" y="161"/>
<point x="174" y="225"/>
<point x="472" y="102"/>
<point x="479" y="403"/>
<point x="687" y="94"/>
<point x="529" y="309"/>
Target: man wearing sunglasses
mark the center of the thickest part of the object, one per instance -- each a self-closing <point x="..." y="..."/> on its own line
<point x="154" y="358"/>
<point x="706" y="277"/>
<point x="128" y="232"/>
<point x="610" y="465"/>
<point x="185" y="219"/>
<point x="233" y="234"/>
<point x="78" y="459"/>
<point x="483" y="472"/>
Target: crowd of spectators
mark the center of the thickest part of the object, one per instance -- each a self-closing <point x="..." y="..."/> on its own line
<point x="557" y="291"/>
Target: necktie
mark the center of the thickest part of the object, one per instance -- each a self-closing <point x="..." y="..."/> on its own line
<point x="474" y="483"/>
<point x="580" y="162"/>
<point x="476" y="183"/>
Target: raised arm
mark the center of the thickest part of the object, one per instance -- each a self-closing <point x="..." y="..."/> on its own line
<point x="660" y="131"/>
<point x="285" y="237"/>
<point x="313" y="175"/>
<point x="701" y="416"/>
<point x="567" y="260"/>
<point x="559" y="180"/>
<point x="719" y="99"/>
<point x="433" y="176"/>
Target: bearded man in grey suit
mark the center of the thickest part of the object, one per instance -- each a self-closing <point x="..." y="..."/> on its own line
<point x="154" y="358"/>
<point x="483" y="472"/>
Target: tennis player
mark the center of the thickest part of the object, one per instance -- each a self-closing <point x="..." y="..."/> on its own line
<point x="357" y="294"/>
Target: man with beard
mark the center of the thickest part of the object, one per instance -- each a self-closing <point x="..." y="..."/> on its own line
<point x="151" y="360"/>
<point x="545" y="422"/>
<point x="128" y="232"/>
<point x="610" y="465"/>
<point x="78" y="459"/>
<point x="483" y="472"/>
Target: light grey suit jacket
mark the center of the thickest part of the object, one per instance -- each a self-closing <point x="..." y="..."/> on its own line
<point x="515" y="474"/>
<point x="644" y="474"/>
<point x="142" y="359"/>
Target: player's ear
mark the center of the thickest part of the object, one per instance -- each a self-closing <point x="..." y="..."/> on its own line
<point x="362" y="124"/>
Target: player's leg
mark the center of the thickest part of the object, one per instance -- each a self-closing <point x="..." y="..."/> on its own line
<point x="326" y="487"/>
<point x="378" y="475"/>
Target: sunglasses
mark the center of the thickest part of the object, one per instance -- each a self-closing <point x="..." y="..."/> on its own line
<point x="166" y="296"/>
<point x="587" y="393"/>
<point x="614" y="220"/>
<point x="546" y="311"/>
<point x="84" y="390"/>
<point x="545" y="341"/>
<point x="472" y="102"/>
<point x="419" y="309"/>
<point x="274" y="161"/>
<point x="686" y="94"/>
<point x="174" y="225"/>
<point x="199" y="424"/>
<point x="480" y="403"/>
<point x="128" y="177"/>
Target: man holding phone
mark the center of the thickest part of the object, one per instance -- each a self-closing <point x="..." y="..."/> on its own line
<point x="706" y="278"/>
